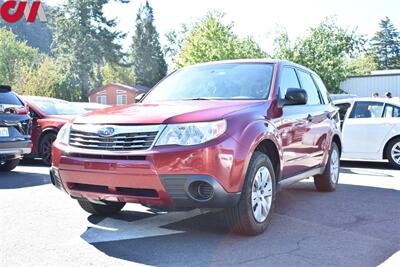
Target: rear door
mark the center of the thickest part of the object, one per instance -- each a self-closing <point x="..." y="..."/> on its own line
<point x="319" y="115"/>
<point x="364" y="129"/>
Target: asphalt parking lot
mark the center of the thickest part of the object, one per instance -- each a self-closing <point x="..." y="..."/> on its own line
<point x="358" y="225"/>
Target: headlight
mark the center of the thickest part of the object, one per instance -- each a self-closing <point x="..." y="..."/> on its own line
<point x="188" y="134"/>
<point x="63" y="134"/>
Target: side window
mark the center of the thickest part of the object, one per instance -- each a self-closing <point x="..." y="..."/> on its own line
<point x="322" y="89"/>
<point x="308" y="84"/>
<point x="288" y="80"/>
<point x="343" y="107"/>
<point x="391" y="112"/>
<point x="367" y="110"/>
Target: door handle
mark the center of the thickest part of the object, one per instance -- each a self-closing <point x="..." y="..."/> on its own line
<point x="309" y="118"/>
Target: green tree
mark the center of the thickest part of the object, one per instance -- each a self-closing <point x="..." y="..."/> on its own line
<point x="149" y="65"/>
<point x="386" y="44"/>
<point x="40" y="80"/>
<point x="362" y="65"/>
<point x="38" y="34"/>
<point x="12" y="54"/>
<point x="112" y="73"/>
<point x="84" y="39"/>
<point x="325" y="50"/>
<point x="210" y="40"/>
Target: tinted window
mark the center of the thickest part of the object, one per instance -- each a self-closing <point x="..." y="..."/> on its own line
<point x="308" y="84"/>
<point x="391" y="112"/>
<point x="215" y="81"/>
<point x="9" y="98"/>
<point x="322" y="89"/>
<point x="367" y="110"/>
<point x="288" y="80"/>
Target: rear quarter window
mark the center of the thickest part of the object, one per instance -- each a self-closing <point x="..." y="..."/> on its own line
<point x="9" y="98"/>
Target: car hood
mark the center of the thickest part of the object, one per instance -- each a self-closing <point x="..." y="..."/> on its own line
<point x="60" y="117"/>
<point x="167" y="112"/>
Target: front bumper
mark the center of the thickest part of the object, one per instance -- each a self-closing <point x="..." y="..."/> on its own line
<point x="164" y="176"/>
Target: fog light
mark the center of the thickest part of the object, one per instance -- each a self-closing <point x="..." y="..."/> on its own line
<point x="201" y="191"/>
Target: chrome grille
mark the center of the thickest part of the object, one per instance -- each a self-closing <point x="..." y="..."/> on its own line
<point x="123" y="138"/>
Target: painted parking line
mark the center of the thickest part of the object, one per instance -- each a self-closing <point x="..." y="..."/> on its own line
<point x="111" y="229"/>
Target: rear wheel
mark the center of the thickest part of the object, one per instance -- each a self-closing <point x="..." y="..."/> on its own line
<point x="393" y="153"/>
<point x="253" y="213"/>
<point x="106" y="209"/>
<point x="8" y="165"/>
<point x="46" y="144"/>
<point x="327" y="181"/>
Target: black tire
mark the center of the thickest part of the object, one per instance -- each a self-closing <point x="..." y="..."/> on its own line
<point x="106" y="209"/>
<point x="45" y="147"/>
<point x="325" y="182"/>
<point x="241" y="219"/>
<point x="388" y="152"/>
<point x="9" y="165"/>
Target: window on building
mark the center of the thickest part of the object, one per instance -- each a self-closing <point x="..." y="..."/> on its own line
<point x="308" y="85"/>
<point x="363" y="110"/>
<point x="101" y="99"/>
<point x="122" y="100"/>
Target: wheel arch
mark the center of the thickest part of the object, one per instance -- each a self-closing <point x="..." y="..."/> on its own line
<point x="387" y="146"/>
<point x="43" y="134"/>
<point x="337" y="140"/>
<point x="269" y="148"/>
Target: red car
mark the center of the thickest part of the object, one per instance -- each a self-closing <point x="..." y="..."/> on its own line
<point x="219" y="135"/>
<point x="49" y="115"/>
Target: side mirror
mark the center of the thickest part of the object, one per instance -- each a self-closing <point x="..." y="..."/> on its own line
<point x="139" y="98"/>
<point x="295" y="96"/>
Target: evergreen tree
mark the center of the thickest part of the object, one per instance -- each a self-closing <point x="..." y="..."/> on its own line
<point x="386" y="44"/>
<point x="84" y="38"/>
<point x="149" y="65"/>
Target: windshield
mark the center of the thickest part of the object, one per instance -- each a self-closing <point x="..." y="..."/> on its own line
<point x="58" y="107"/>
<point x="216" y="81"/>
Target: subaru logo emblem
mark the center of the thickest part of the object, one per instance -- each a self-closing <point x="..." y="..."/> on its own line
<point x="106" y="131"/>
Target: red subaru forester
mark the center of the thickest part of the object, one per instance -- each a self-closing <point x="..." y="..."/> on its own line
<point x="227" y="135"/>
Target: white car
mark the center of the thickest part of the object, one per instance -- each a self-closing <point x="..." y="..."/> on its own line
<point x="370" y="129"/>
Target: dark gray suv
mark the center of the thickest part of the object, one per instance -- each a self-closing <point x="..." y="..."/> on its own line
<point x="15" y="129"/>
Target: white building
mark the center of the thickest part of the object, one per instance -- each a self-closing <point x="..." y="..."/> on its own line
<point x="378" y="81"/>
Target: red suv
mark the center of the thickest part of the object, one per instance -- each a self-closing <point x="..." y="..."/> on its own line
<point x="219" y="135"/>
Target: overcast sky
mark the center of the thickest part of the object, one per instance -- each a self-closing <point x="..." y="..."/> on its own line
<point x="258" y="18"/>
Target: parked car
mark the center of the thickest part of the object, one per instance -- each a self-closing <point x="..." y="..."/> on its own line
<point x="15" y="129"/>
<point x="371" y="129"/>
<point x="220" y="135"/>
<point x="49" y="115"/>
<point x="335" y="97"/>
<point x="90" y="106"/>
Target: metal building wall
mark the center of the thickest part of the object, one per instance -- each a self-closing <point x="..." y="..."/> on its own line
<point x="364" y="86"/>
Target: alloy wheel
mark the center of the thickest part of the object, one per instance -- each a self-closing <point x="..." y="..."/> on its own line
<point x="334" y="166"/>
<point x="261" y="196"/>
<point x="395" y="153"/>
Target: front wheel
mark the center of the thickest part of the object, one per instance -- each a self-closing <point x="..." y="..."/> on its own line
<point x="8" y="165"/>
<point x="106" y="209"/>
<point x="393" y="153"/>
<point x="45" y="148"/>
<point x="327" y="181"/>
<point x="253" y="213"/>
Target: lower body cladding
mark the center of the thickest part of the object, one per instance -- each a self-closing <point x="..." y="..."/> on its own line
<point x="138" y="182"/>
<point x="14" y="150"/>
